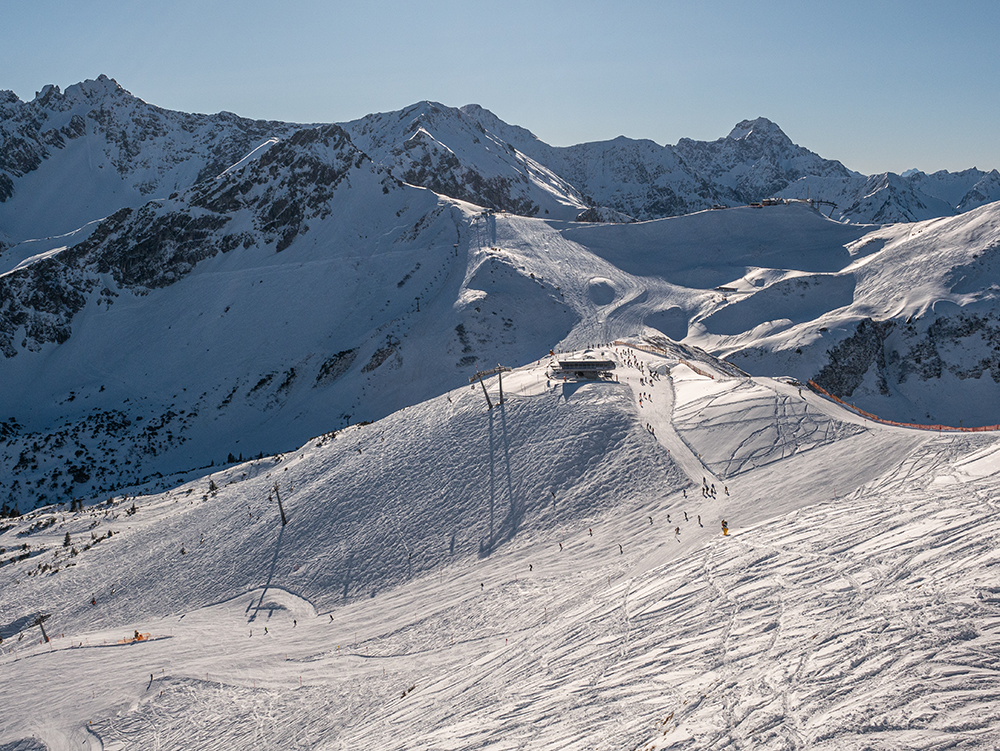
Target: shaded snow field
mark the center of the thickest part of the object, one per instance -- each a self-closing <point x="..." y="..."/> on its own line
<point x="545" y="574"/>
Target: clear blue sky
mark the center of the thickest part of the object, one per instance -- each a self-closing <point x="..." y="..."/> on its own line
<point x="881" y="86"/>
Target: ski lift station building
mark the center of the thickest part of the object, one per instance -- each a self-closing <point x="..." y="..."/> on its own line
<point x="585" y="365"/>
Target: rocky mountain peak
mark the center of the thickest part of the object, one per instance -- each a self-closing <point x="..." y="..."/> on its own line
<point x="425" y="112"/>
<point x="9" y="104"/>
<point x="88" y="92"/>
<point x="759" y="129"/>
<point x="48" y="92"/>
<point x="99" y="87"/>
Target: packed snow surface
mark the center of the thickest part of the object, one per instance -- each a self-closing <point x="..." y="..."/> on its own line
<point x="549" y="573"/>
<point x="686" y="553"/>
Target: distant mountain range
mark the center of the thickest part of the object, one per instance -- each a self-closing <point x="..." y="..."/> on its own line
<point x="67" y="158"/>
<point x="178" y="290"/>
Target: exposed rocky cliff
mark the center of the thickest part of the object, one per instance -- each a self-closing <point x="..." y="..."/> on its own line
<point x="756" y="160"/>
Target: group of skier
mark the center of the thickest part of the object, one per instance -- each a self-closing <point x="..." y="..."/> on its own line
<point x="708" y="491"/>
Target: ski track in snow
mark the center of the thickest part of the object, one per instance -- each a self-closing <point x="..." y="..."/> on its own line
<point x="419" y="597"/>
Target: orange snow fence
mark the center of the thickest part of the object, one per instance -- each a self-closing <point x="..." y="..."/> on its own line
<point x="875" y="418"/>
<point x="133" y="639"/>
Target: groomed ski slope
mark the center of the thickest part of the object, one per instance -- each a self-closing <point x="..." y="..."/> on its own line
<point x="452" y="577"/>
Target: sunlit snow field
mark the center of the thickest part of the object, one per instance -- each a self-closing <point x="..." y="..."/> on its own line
<point x="545" y="574"/>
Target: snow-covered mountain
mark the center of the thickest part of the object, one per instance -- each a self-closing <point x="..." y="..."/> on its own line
<point x="316" y="280"/>
<point x="177" y="328"/>
<point x="451" y="153"/>
<point x="413" y="569"/>
<point x="637" y="179"/>
<point x="907" y="327"/>
<point x="756" y="160"/>
<point x="265" y="308"/>
<point x="964" y="190"/>
<point x="550" y="573"/>
<point x="69" y="158"/>
<point x="889" y="199"/>
<point x="624" y="178"/>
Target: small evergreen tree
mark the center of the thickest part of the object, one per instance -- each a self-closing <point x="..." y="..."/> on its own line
<point x="66" y="541"/>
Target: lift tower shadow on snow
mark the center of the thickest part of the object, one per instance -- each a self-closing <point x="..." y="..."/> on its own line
<point x="270" y="576"/>
<point x="499" y="461"/>
<point x="485" y="224"/>
<point x="277" y="550"/>
<point x="510" y="523"/>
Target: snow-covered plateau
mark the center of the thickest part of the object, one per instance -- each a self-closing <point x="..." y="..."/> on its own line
<point x="252" y="495"/>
